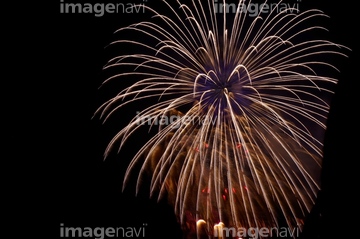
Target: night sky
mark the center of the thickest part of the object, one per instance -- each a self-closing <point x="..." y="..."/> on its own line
<point x="85" y="190"/>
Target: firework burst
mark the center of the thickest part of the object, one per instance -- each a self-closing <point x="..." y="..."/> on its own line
<point x="245" y="106"/>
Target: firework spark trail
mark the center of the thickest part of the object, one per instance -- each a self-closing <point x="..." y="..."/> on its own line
<point x="255" y="161"/>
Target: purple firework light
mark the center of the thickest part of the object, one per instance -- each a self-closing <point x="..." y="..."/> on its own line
<point x="245" y="152"/>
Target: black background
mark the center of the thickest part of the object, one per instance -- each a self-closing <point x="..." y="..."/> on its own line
<point x="53" y="131"/>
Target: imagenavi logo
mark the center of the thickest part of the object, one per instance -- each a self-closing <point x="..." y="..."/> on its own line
<point x="220" y="231"/>
<point x="255" y="9"/>
<point x="103" y="232"/>
<point x="100" y="9"/>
